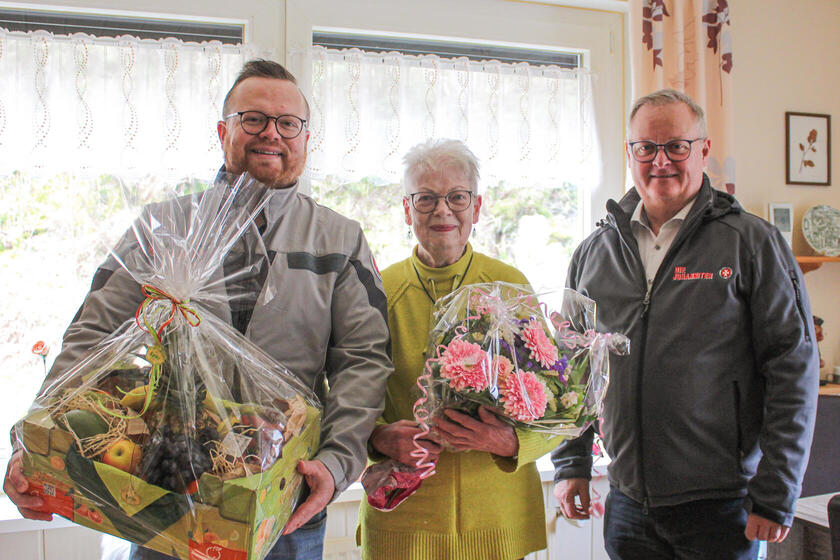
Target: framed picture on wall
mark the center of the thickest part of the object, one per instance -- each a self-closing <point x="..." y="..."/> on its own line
<point x="781" y="216"/>
<point x="807" y="149"/>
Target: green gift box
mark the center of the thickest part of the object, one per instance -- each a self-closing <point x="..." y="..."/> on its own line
<point x="224" y="518"/>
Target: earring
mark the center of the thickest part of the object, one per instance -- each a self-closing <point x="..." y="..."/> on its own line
<point x="473" y="231"/>
<point x="408" y="233"/>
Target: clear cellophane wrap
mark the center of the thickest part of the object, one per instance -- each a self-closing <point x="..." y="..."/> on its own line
<point x="535" y="359"/>
<point x="175" y="431"/>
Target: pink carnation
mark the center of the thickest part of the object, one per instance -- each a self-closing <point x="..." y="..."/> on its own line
<point x="542" y="349"/>
<point x="464" y="364"/>
<point x="502" y="368"/>
<point x="523" y="396"/>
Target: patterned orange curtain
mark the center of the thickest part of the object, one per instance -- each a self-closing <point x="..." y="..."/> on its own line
<point x="686" y="45"/>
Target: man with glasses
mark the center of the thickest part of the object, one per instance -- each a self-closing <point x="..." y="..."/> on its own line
<point x="329" y="293"/>
<point x="327" y="321"/>
<point x="708" y="421"/>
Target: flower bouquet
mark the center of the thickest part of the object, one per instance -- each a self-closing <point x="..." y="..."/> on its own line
<point x="535" y="358"/>
<point x="176" y="432"/>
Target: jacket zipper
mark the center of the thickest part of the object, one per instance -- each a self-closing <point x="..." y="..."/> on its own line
<point x="648" y="288"/>
<point x="796" y="289"/>
<point x="675" y="245"/>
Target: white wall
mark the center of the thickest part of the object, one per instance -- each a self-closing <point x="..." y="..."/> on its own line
<point x="786" y="59"/>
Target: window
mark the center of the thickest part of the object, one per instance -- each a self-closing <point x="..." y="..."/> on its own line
<point x="90" y="129"/>
<point x="529" y="125"/>
<point x="94" y="118"/>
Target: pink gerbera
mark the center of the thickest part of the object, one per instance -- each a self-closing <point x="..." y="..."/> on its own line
<point x="523" y="396"/>
<point x="463" y="363"/>
<point x="541" y="347"/>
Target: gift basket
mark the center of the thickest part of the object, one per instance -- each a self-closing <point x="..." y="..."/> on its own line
<point x="175" y="431"/>
<point x="534" y="359"/>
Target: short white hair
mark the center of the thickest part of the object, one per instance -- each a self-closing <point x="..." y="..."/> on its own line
<point x="668" y="97"/>
<point x="433" y="155"/>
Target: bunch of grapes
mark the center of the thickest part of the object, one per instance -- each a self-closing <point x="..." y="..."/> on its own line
<point x="173" y="461"/>
<point x="206" y="436"/>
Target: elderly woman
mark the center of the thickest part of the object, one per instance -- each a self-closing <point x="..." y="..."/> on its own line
<point x="485" y="501"/>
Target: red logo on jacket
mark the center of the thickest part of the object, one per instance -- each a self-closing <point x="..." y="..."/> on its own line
<point x="681" y="274"/>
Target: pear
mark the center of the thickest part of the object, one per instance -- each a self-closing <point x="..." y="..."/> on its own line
<point x="135" y="398"/>
<point x="83" y="423"/>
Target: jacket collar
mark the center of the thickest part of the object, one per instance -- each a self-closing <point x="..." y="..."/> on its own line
<point x="279" y="202"/>
<point x="709" y="204"/>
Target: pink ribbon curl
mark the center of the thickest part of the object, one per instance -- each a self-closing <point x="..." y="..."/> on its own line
<point x="422" y="414"/>
<point x="573" y="339"/>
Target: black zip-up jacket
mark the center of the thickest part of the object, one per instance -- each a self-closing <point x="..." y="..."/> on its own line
<point x="717" y="397"/>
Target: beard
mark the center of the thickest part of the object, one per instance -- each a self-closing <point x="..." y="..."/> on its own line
<point x="274" y="178"/>
<point x="280" y="174"/>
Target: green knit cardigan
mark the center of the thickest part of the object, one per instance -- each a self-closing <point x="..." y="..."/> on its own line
<point x="477" y="506"/>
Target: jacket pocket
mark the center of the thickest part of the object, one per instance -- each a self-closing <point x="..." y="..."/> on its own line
<point x="797" y="290"/>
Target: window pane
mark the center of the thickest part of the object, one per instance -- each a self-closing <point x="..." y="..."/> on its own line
<point x="54" y="232"/>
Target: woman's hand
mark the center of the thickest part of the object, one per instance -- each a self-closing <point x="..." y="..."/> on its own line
<point x="397" y="441"/>
<point x="490" y="433"/>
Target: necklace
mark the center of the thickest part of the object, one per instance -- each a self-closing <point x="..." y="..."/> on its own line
<point x="422" y="285"/>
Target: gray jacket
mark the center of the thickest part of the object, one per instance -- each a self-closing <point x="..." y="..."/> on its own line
<point x="717" y="397"/>
<point x="326" y="322"/>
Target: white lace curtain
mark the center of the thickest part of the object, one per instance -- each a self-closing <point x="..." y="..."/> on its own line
<point x="125" y="106"/>
<point x="529" y="126"/>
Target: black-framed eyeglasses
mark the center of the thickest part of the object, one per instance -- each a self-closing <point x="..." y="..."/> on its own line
<point x="457" y="201"/>
<point x="254" y="122"/>
<point x="675" y="150"/>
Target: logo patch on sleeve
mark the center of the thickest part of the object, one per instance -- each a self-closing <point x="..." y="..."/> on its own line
<point x="725" y="272"/>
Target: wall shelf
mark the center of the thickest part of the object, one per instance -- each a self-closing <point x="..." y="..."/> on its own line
<point x="808" y="264"/>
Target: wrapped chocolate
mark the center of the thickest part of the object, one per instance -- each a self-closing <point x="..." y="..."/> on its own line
<point x="175" y="431"/>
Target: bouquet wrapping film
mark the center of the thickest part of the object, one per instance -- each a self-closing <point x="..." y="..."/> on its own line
<point x="176" y="432"/>
<point x="535" y="359"/>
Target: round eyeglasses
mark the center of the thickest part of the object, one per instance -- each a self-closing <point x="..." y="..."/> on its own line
<point x="645" y="151"/>
<point x="457" y="201"/>
<point x="254" y="122"/>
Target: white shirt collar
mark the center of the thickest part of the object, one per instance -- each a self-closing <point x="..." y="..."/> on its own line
<point x="640" y="217"/>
